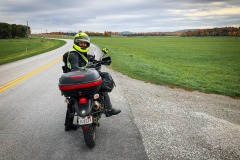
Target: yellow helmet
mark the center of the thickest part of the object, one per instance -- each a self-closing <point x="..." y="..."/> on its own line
<point x="81" y="37"/>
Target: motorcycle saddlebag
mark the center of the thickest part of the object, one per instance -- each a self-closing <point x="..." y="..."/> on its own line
<point x="107" y="82"/>
<point x="84" y="82"/>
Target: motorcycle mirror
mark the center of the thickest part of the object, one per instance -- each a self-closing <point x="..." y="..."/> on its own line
<point x="106" y="61"/>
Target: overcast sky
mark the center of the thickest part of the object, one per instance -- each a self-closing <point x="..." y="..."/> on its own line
<point x="120" y="15"/>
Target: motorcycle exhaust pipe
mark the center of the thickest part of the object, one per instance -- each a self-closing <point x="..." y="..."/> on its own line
<point x="96" y="96"/>
<point x="96" y="105"/>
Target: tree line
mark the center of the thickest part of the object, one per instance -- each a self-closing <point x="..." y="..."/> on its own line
<point x="225" y="31"/>
<point x="13" y="30"/>
<point x="106" y="33"/>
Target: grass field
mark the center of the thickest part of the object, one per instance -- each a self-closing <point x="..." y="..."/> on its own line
<point x="207" y="64"/>
<point x="15" y="49"/>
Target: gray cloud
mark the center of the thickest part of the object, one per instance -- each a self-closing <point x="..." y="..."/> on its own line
<point x="114" y="15"/>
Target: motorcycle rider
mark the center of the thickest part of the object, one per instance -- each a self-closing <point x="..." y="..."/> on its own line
<point x="77" y="59"/>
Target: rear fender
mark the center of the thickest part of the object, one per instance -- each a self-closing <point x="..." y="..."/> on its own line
<point x="84" y="106"/>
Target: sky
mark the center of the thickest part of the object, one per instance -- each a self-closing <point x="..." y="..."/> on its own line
<point x="120" y="15"/>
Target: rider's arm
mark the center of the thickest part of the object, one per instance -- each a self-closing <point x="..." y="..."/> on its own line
<point x="73" y="60"/>
<point x="91" y="58"/>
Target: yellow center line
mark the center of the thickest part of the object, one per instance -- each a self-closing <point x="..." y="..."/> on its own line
<point x="20" y="79"/>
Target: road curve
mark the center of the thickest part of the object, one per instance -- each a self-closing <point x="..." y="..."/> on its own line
<point x="157" y="122"/>
<point x="32" y="114"/>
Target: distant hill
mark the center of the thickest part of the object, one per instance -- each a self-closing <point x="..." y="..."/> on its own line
<point x="185" y="30"/>
<point x="126" y="32"/>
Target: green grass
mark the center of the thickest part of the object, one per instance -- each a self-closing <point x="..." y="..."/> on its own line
<point x="207" y="64"/>
<point x="16" y="49"/>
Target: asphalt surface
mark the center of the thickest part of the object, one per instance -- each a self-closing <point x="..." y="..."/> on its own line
<point x="32" y="115"/>
<point x="157" y="122"/>
<point x="179" y="124"/>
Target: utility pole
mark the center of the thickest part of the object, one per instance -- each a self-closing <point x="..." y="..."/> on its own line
<point x="27" y="33"/>
<point x="27" y="39"/>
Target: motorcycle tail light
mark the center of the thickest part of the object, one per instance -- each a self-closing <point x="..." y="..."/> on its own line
<point x="82" y="100"/>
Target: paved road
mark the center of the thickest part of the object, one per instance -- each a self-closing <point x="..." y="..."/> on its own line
<point x="157" y="122"/>
<point x="179" y="124"/>
<point x="32" y="116"/>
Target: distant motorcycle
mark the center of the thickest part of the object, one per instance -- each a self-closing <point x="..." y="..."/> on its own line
<point x="84" y="92"/>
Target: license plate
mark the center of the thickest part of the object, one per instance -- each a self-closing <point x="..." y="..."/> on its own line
<point x="84" y="120"/>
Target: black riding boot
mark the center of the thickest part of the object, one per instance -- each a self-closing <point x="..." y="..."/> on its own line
<point x="110" y="110"/>
<point x="69" y="119"/>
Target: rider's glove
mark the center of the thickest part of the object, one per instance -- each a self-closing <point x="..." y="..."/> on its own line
<point x="105" y="50"/>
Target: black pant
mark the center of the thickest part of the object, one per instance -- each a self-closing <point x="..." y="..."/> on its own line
<point x="70" y="110"/>
<point x="108" y="104"/>
<point x="69" y="115"/>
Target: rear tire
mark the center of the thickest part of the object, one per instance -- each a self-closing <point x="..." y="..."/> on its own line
<point x="90" y="136"/>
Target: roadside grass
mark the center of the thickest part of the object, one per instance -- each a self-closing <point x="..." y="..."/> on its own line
<point x="207" y="64"/>
<point x="16" y="49"/>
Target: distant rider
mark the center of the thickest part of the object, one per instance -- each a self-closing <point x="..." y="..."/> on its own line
<point x="78" y="58"/>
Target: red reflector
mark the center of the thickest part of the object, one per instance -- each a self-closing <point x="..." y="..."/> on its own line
<point x="77" y="76"/>
<point x="85" y="128"/>
<point x="83" y="85"/>
<point x="82" y="100"/>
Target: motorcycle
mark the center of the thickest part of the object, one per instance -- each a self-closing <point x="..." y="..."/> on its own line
<point x="84" y="94"/>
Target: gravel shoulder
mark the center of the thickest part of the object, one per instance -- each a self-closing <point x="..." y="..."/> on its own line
<point x="180" y="124"/>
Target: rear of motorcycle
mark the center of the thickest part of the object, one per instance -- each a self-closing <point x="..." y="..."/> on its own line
<point x="85" y="118"/>
<point x="83" y="87"/>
